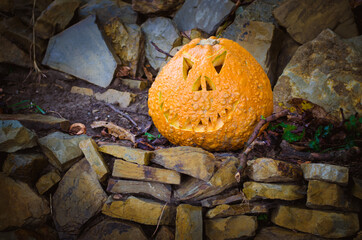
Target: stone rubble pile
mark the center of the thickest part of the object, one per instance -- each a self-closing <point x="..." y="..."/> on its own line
<point x="65" y="185"/>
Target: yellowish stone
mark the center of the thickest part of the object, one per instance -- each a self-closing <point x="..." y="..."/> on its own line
<point x="254" y="190"/>
<point x="144" y="211"/>
<point x="129" y="170"/>
<point x="47" y="181"/>
<point x="95" y="159"/>
<point x="134" y="155"/>
<point x="188" y="222"/>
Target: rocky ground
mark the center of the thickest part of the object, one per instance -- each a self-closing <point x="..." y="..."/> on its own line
<point x="122" y="181"/>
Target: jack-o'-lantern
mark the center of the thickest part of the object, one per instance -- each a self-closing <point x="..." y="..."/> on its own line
<point x="211" y="94"/>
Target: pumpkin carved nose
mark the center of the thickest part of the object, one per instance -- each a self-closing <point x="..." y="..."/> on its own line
<point x="203" y="83"/>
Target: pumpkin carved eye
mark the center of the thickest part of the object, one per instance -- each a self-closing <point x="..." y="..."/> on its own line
<point x="187" y="65"/>
<point x="218" y="62"/>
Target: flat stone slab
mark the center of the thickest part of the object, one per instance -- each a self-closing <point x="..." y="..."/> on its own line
<point x="278" y="233"/>
<point x="206" y="15"/>
<point x="95" y="159"/>
<point x="255" y="190"/>
<point x="270" y="170"/>
<point x="156" y="190"/>
<point x="14" y="136"/>
<point x="11" y="53"/>
<point x="189" y="222"/>
<point x="231" y="227"/>
<point x="357" y="188"/>
<point x="129" y="154"/>
<point x="55" y="17"/>
<point x="24" y="166"/>
<point x="163" y="32"/>
<point x="144" y="211"/>
<point x="81" y="51"/>
<point x="223" y="178"/>
<point x="124" y="169"/>
<point x="226" y="210"/>
<point x="324" y="195"/>
<point x="62" y="149"/>
<point x="47" y="181"/>
<point x="112" y="96"/>
<point x="325" y="172"/>
<point x="20" y="205"/>
<point x="78" y="198"/>
<point x="108" y="9"/>
<point x="192" y="161"/>
<point x="322" y="223"/>
<point x="38" y="121"/>
<point x="109" y="229"/>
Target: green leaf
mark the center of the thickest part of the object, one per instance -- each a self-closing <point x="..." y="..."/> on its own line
<point x="262" y="117"/>
<point x="262" y="217"/>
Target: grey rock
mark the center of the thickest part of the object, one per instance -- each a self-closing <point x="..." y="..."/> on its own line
<point x="22" y="35"/>
<point x="134" y="84"/>
<point x="206" y="15"/>
<point x="325" y="71"/>
<point x="307" y="19"/>
<point x="109" y="229"/>
<point x="261" y="39"/>
<point x="14" y="136"/>
<point x="325" y="172"/>
<point x="154" y="6"/>
<point x="81" y="51"/>
<point x="62" y="149"/>
<point x="78" y="198"/>
<point x="20" y="205"/>
<point x="55" y="17"/>
<point x="164" y="34"/>
<point x="10" y="53"/>
<point x="108" y="9"/>
<point x="25" y="167"/>
<point x="260" y="10"/>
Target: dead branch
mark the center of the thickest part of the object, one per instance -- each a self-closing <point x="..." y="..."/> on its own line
<point x="344" y="154"/>
<point x="250" y="145"/>
<point x="125" y="115"/>
<point x="161" y="51"/>
<point x="243" y="158"/>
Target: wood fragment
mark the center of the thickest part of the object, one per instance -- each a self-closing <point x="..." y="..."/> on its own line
<point x="115" y="130"/>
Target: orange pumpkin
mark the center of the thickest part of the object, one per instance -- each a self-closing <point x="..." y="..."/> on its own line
<point x="211" y="94"/>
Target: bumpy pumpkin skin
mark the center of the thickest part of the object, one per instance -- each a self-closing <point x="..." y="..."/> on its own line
<point x="194" y="103"/>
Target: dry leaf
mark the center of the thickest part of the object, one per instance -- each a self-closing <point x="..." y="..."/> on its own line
<point x="123" y="71"/>
<point x="77" y="129"/>
<point x="115" y="130"/>
<point x="148" y="74"/>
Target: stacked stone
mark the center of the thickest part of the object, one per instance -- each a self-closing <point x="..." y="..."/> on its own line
<point x="325" y="191"/>
<point x="189" y="192"/>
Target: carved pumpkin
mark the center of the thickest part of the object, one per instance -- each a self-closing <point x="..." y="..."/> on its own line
<point x="211" y="94"/>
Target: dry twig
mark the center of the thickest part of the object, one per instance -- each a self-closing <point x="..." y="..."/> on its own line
<point x="125" y="115"/>
<point x="160" y="50"/>
<point x="159" y="220"/>
<point x="250" y="143"/>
